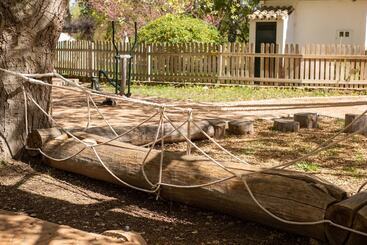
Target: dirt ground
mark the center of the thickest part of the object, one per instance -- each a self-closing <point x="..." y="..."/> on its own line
<point x="18" y="228"/>
<point x="343" y="165"/>
<point x="94" y="206"/>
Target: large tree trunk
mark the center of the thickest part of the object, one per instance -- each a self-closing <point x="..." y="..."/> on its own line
<point x="29" y="30"/>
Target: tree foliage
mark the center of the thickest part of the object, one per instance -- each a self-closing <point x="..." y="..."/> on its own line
<point x="229" y="16"/>
<point x="126" y="12"/>
<point x="178" y="29"/>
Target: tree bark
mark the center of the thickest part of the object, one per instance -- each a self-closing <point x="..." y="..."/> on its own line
<point x="307" y="200"/>
<point x="28" y="35"/>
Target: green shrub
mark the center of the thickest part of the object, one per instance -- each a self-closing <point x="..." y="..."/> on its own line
<point x="176" y="29"/>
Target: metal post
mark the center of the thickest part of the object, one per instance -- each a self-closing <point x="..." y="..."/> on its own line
<point x="123" y="76"/>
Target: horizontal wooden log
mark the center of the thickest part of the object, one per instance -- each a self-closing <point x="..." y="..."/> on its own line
<point x="146" y="133"/>
<point x="37" y="138"/>
<point x="290" y="195"/>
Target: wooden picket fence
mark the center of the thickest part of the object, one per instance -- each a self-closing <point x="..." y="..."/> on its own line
<point x="233" y="63"/>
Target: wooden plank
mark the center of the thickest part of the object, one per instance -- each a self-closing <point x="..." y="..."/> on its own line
<point x="291" y="62"/>
<point x="322" y="62"/>
<point x="286" y="62"/>
<point x="272" y="61"/>
<point x="262" y="64"/>
<point x="267" y="60"/>
<point x="297" y="63"/>
<point x="312" y="62"/>
<point x="302" y="64"/>
<point x="307" y="63"/>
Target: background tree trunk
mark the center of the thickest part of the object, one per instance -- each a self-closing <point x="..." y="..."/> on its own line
<point x="29" y="30"/>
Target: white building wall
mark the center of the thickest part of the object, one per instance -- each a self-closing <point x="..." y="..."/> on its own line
<point x="318" y="21"/>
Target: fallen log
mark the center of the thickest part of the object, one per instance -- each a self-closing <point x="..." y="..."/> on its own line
<point x="290" y="195"/>
<point x="146" y="133"/>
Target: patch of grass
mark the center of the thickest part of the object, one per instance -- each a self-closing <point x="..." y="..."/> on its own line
<point x="307" y="166"/>
<point x="2" y="163"/>
<point x="222" y="94"/>
<point x="350" y="169"/>
<point x="340" y="122"/>
<point x="331" y="152"/>
<point x="248" y="151"/>
<point x="359" y="157"/>
<point x="353" y="171"/>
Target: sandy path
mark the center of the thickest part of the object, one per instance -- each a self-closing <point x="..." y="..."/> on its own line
<point x="19" y="228"/>
<point x="70" y="109"/>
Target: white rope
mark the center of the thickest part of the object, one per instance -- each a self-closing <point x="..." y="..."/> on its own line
<point x="198" y="148"/>
<point x="56" y="123"/>
<point x="163" y="116"/>
<point x="151" y="148"/>
<point x="128" y="131"/>
<point x="327" y="144"/>
<point x="166" y="135"/>
<point x="117" y="178"/>
<point x="123" y="98"/>
<point x="217" y="144"/>
<point x="88" y="112"/>
<point x="56" y="159"/>
<point x="51" y="74"/>
<point x="78" y="88"/>
<point x="102" y="116"/>
<point x="323" y="221"/>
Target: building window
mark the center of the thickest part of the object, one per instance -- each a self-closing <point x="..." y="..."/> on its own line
<point x="344" y="34"/>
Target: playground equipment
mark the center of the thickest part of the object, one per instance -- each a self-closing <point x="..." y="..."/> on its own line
<point x="288" y="200"/>
<point x="126" y="66"/>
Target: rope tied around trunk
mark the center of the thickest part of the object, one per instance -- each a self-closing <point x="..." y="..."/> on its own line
<point x="162" y="111"/>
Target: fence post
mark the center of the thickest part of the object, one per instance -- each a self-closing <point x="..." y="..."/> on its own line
<point x="123" y="69"/>
<point x="220" y="62"/>
<point x="90" y="59"/>
<point x="149" y="57"/>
